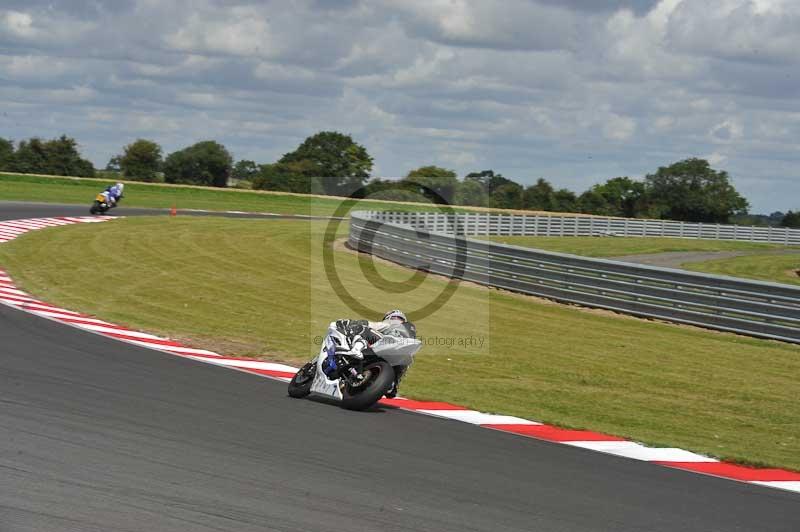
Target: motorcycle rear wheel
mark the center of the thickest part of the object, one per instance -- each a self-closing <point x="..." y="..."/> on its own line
<point x="300" y="385"/>
<point x="380" y="379"/>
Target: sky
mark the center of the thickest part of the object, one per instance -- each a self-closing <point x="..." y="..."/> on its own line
<point x="575" y="91"/>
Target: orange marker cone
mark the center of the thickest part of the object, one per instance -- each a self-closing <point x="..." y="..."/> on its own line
<point x="173" y="211"/>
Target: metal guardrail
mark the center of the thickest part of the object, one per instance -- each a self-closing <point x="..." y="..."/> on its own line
<point x="566" y="225"/>
<point x="768" y="310"/>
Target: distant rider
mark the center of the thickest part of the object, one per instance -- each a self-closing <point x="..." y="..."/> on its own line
<point x="114" y="193"/>
<point x="361" y="334"/>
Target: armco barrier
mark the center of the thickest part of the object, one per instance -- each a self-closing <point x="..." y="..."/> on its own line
<point x="763" y="309"/>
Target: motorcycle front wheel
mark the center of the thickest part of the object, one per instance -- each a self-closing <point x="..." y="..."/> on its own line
<point x="300" y="385"/>
<point x="378" y="379"/>
<point x="95" y="208"/>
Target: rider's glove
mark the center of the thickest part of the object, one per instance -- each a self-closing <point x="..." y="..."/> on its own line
<point x="356" y="347"/>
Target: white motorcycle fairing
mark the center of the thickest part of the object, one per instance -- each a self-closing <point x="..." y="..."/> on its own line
<point x="394" y="347"/>
<point x="321" y="384"/>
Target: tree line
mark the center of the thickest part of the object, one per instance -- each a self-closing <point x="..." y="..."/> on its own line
<point x="36" y="156"/>
<point x="332" y="163"/>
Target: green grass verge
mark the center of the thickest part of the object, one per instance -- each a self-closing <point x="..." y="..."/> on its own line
<point x="83" y="191"/>
<point x="765" y="267"/>
<point x="252" y="287"/>
<point x="619" y="246"/>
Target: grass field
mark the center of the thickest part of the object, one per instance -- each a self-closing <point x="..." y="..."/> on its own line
<point x="765" y="267"/>
<point x="83" y="191"/>
<point x="252" y="287"/>
<point x="763" y="261"/>
<point x="589" y="246"/>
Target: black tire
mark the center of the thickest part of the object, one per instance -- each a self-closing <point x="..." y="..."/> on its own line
<point x="95" y="207"/>
<point x="300" y="385"/>
<point x="378" y="383"/>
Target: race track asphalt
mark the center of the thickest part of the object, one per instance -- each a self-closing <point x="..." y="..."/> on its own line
<point x="98" y="435"/>
<point x="11" y="210"/>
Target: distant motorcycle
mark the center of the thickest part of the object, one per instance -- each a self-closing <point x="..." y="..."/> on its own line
<point x="357" y="383"/>
<point x="101" y="204"/>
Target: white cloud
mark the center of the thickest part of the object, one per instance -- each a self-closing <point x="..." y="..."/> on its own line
<point x="152" y="124"/>
<point x="715" y="158"/>
<point x="238" y="31"/>
<point x="53" y="97"/>
<point x="572" y="90"/>
<point x="275" y="71"/>
<point x="45" y="26"/>
<point x="664" y="122"/>
<point x="100" y="116"/>
<point x="189" y="64"/>
<point x="371" y="115"/>
<point x="19" y="24"/>
<point x="454" y="157"/>
<point x="199" y="99"/>
<point x="425" y="69"/>
<point x="32" y="67"/>
<point x="762" y="30"/>
<point x="726" y="131"/>
<point x="636" y="47"/>
<point x="619" y="127"/>
<point x="501" y="24"/>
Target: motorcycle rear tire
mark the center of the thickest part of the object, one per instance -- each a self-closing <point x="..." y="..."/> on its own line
<point x="373" y="391"/>
<point x="300" y="385"/>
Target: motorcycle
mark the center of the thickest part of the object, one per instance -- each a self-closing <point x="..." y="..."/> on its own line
<point x="101" y="204"/>
<point x="358" y="383"/>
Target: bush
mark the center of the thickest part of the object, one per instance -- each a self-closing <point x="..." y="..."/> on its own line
<point x="243" y="185"/>
<point x="791" y="219"/>
<point x="284" y="177"/>
<point x="398" y="194"/>
<point x="52" y="157"/>
<point x="206" y="163"/>
<point x="141" y="161"/>
<point x="109" y="175"/>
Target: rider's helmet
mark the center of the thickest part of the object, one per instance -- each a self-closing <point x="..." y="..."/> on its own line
<point x="395" y="315"/>
<point x="120" y="187"/>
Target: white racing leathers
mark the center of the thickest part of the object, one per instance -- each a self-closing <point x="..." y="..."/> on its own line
<point x="396" y="345"/>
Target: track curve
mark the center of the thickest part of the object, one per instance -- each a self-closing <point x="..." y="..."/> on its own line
<point x="12" y="210"/>
<point x="100" y="435"/>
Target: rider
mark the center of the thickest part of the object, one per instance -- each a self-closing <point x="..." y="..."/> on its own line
<point x="363" y="333"/>
<point x="114" y="194"/>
